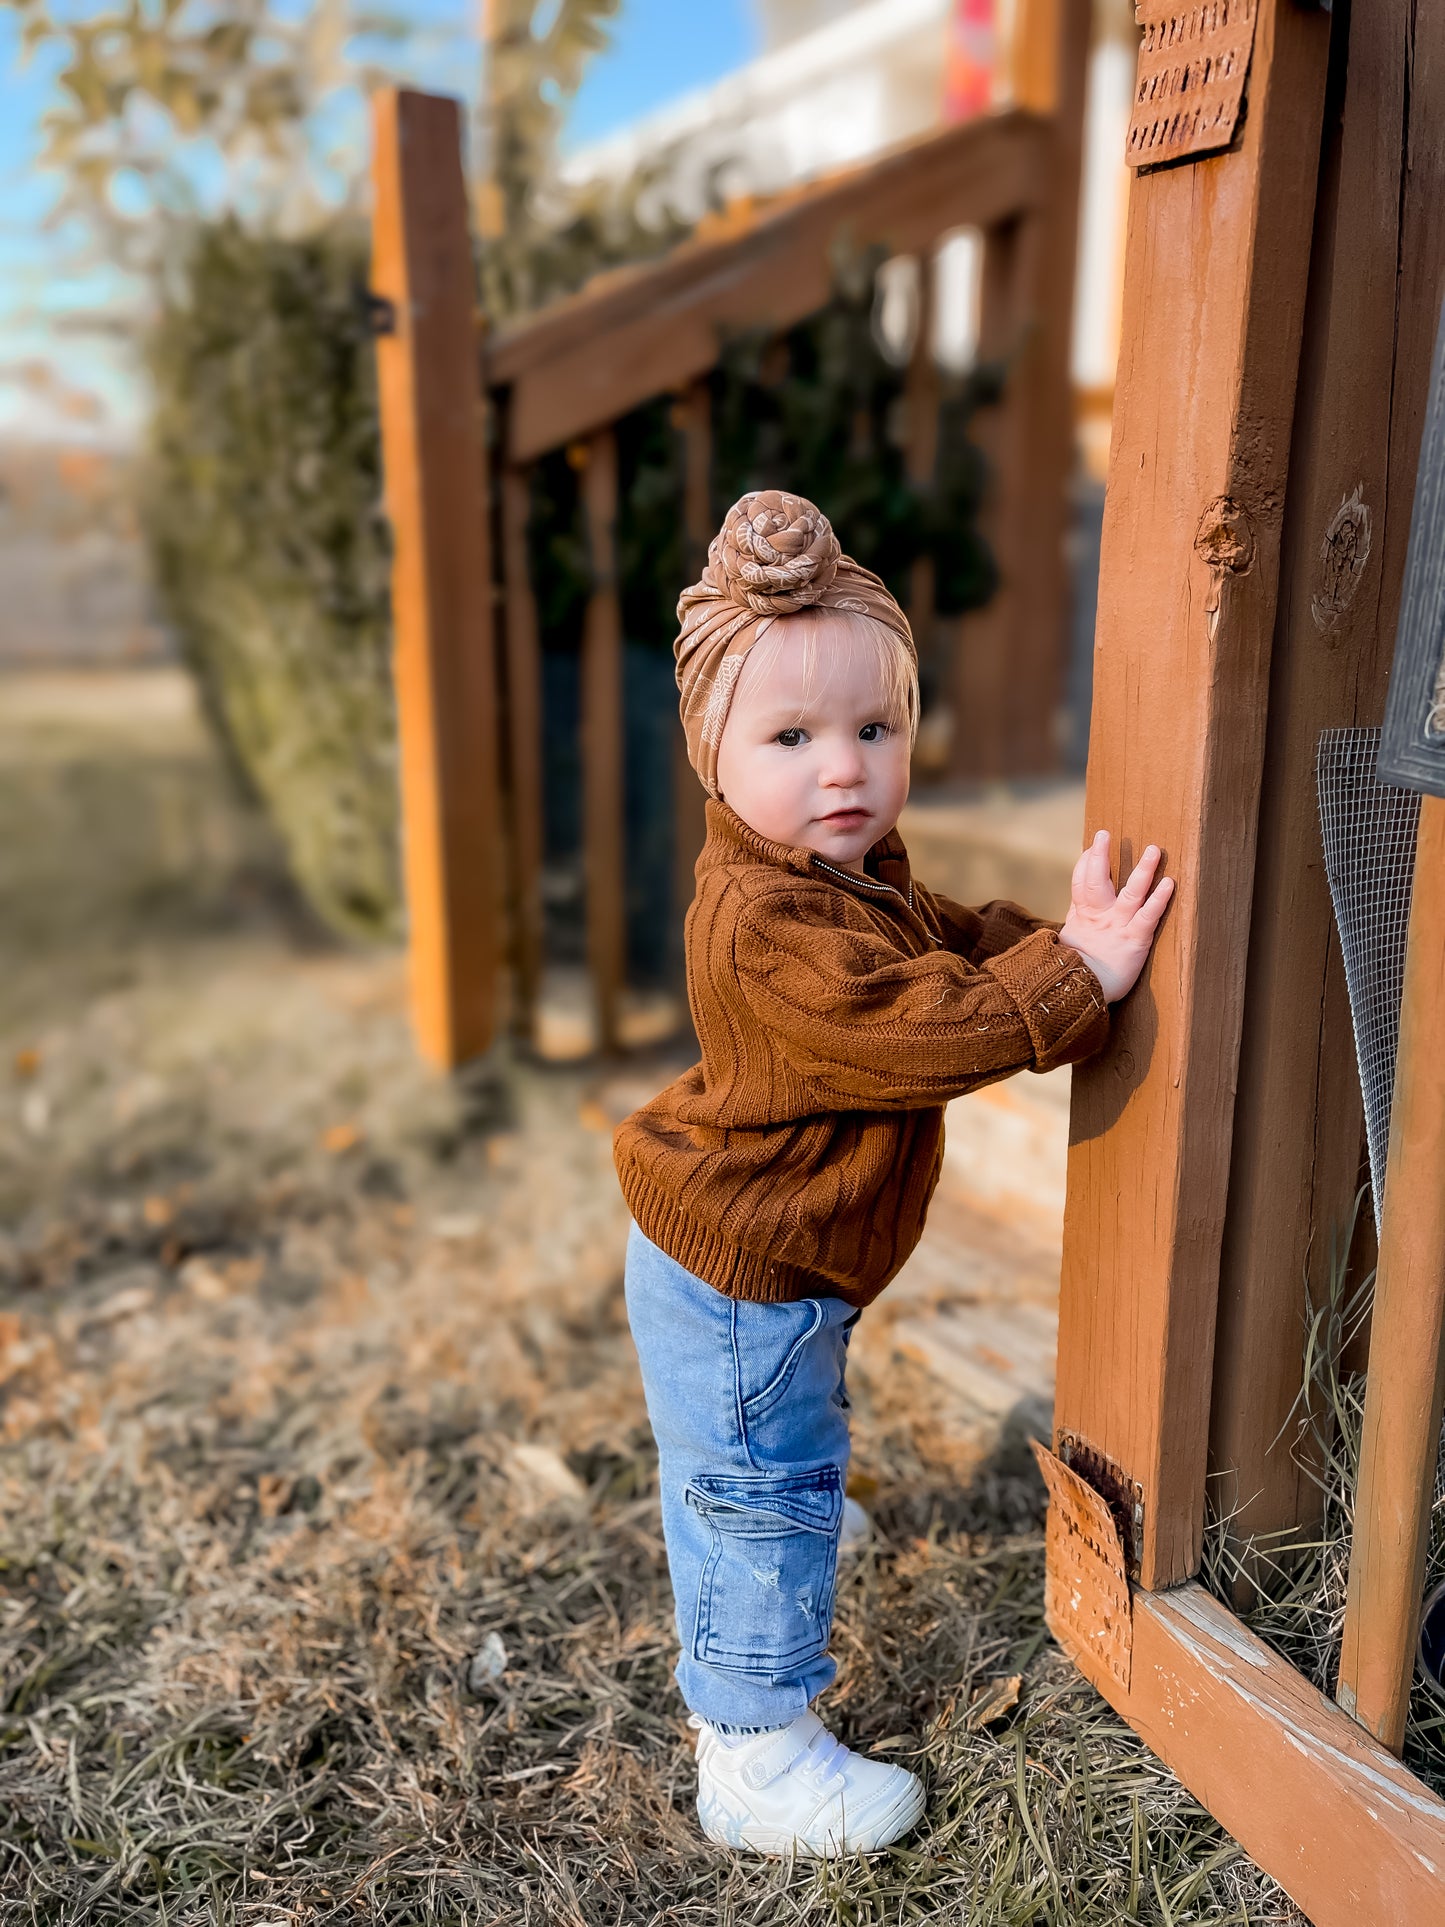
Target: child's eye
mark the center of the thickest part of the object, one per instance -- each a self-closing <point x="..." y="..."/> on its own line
<point x="789" y="738"/>
<point x="872" y="732"/>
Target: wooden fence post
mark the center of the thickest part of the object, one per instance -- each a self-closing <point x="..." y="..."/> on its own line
<point x="1298" y="1115"/>
<point x="432" y="441"/>
<point x="1216" y="267"/>
<point x="603" y="851"/>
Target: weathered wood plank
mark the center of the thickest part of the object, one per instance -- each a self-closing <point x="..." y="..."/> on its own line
<point x="524" y="749"/>
<point x="1345" y="1829"/>
<point x="647" y="331"/>
<point x="602" y="723"/>
<point x="1384" y="1589"/>
<point x="1216" y="265"/>
<point x="432" y="442"/>
<point x="1298" y="1115"/>
<point x="1405" y="1387"/>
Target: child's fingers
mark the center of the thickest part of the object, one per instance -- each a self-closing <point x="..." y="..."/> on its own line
<point x="1146" y="917"/>
<point x="1141" y="876"/>
<point x="1096" y="868"/>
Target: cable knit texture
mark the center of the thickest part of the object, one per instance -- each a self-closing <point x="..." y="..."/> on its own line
<point x="837" y="1015"/>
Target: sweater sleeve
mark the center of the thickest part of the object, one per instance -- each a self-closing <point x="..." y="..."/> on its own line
<point x="868" y="1028"/>
<point x="978" y="935"/>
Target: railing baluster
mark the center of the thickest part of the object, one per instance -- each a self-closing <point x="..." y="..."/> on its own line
<point x="920" y="401"/>
<point x="689" y="800"/>
<point x="602" y="722"/>
<point x="987" y="639"/>
<point x="524" y="749"/>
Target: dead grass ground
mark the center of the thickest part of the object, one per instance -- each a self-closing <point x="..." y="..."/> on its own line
<point x="331" y="1585"/>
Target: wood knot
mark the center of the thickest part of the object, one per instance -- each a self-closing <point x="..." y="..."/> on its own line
<point x="1343" y="554"/>
<point x="1225" y="541"/>
<point x="1225" y="536"/>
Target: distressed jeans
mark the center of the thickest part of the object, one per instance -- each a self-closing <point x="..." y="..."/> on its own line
<point x="748" y="1407"/>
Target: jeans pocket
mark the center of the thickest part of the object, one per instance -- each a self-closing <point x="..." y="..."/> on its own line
<point x="744" y="1340"/>
<point x="765" y="1595"/>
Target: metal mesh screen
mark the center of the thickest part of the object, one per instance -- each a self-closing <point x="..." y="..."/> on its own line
<point x="1369" y="838"/>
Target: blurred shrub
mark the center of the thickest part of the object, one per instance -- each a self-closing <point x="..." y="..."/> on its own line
<point x="262" y="511"/>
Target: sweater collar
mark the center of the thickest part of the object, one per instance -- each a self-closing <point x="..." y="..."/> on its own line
<point x="886" y="862"/>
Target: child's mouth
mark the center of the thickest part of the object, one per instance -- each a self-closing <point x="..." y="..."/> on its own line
<point x="846" y="819"/>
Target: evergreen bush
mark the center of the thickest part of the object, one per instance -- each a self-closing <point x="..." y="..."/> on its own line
<point x="262" y="511"/>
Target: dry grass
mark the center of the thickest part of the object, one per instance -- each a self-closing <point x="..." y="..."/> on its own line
<point x="331" y="1585"/>
<point x="1301" y="1576"/>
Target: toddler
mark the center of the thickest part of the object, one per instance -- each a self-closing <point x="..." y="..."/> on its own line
<point x="778" y="1185"/>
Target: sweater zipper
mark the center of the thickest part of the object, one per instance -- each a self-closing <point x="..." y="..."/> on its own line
<point x="873" y="883"/>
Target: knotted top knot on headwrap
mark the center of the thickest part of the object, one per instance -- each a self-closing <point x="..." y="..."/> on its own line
<point x="775" y="555"/>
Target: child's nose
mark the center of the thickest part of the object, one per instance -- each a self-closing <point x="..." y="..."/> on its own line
<point x="843" y="767"/>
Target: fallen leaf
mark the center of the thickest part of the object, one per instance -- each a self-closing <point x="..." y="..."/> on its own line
<point x="27" y="1062"/>
<point x="158" y="1211"/>
<point x="204" y="1280"/>
<point x="547" y="1473"/>
<point x="992" y="1700"/>
<point x="124" y="1304"/>
<point x="273" y="1489"/>
<point x="456" y="1226"/>
<point x="592" y="1117"/>
<point x="489" y="1663"/>
<point x="338" y="1138"/>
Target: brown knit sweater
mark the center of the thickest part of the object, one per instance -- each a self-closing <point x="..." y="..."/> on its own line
<point x="836" y="1015"/>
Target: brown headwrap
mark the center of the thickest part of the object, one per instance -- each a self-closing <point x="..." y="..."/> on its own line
<point x="774" y="555"/>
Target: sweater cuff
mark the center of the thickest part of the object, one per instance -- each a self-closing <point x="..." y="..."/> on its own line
<point x="1059" y="998"/>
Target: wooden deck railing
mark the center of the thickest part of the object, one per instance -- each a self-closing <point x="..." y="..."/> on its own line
<point x="565" y="378"/>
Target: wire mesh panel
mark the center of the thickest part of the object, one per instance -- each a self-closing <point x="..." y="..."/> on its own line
<point x="1369" y="830"/>
<point x="1369" y="838"/>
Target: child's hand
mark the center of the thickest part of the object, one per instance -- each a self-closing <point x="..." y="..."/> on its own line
<point x="1113" y="933"/>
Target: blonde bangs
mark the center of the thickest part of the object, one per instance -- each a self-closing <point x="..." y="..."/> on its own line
<point x="817" y="629"/>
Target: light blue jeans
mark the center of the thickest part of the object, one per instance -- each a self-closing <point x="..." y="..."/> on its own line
<point x="748" y="1407"/>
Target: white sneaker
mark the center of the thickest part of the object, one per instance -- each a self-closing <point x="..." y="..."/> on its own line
<point x="801" y="1791"/>
<point x="855" y="1531"/>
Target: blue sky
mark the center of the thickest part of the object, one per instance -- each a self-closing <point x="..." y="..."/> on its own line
<point x="660" y="48"/>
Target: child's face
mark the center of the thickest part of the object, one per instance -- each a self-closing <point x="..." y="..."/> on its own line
<point x="809" y="755"/>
